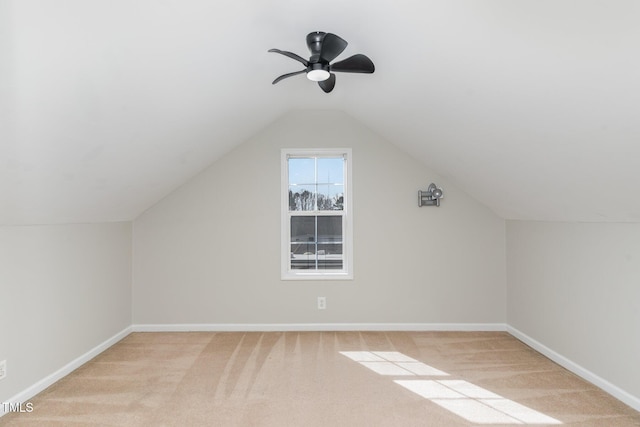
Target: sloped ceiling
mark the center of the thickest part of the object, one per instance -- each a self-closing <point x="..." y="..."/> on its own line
<point x="530" y="106"/>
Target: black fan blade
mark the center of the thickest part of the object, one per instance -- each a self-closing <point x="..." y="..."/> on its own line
<point x="284" y="76"/>
<point x="327" y="85"/>
<point x="354" y="64"/>
<point x="291" y="55"/>
<point x="332" y="46"/>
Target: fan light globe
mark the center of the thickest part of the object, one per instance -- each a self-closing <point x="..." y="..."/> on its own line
<point x="318" y="75"/>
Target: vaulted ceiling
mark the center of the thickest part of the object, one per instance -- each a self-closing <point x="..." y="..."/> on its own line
<point x="106" y="106"/>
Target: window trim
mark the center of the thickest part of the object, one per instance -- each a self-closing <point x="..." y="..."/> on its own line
<point x="285" y="229"/>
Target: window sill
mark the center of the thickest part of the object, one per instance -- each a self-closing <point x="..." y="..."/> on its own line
<point x="312" y="276"/>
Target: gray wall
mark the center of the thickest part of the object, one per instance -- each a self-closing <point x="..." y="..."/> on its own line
<point x="210" y="252"/>
<point x="65" y="290"/>
<point x="575" y="287"/>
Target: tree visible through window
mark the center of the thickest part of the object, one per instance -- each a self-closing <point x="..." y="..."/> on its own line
<point x="316" y="220"/>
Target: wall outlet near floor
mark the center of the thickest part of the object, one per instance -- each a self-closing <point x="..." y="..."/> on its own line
<point x="322" y="303"/>
<point x="3" y="369"/>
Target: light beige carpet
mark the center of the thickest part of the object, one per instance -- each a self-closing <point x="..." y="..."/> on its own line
<point x="322" y="379"/>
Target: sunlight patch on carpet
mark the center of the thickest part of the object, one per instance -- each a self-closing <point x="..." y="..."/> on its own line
<point x="392" y="363"/>
<point x="467" y="400"/>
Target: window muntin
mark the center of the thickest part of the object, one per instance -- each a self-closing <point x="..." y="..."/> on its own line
<point x="316" y="218"/>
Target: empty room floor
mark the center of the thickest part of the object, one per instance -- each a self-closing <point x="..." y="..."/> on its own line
<point x="322" y="379"/>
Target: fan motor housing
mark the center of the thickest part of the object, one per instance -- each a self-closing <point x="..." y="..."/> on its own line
<point x="314" y="43"/>
<point x="320" y="65"/>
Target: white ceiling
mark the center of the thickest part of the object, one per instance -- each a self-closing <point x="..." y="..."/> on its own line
<point x="532" y="107"/>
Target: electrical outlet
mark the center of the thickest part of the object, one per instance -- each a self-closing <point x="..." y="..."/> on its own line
<point x="3" y="369"/>
<point x="322" y="303"/>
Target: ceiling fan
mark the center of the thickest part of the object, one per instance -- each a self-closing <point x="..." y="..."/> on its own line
<point x="324" y="48"/>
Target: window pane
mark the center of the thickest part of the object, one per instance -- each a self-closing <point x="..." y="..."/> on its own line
<point x="303" y="229"/>
<point x="331" y="170"/>
<point x="302" y="197"/>
<point x="330" y="183"/>
<point x="330" y="229"/>
<point x="303" y="242"/>
<point x="329" y="242"/>
<point x="303" y="256"/>
<point x="302" y="171"/>
<point x="330" y="197"/>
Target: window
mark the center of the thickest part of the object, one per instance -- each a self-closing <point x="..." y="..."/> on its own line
<point x="316" y="214"/>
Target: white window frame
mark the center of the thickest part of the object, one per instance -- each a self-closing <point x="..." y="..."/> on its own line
<point x="346" y="273"/>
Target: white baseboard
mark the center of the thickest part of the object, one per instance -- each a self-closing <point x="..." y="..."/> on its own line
<point x="286" y="327"/>
<point x="594" y="379"/>
<point x="36" y="388"/>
